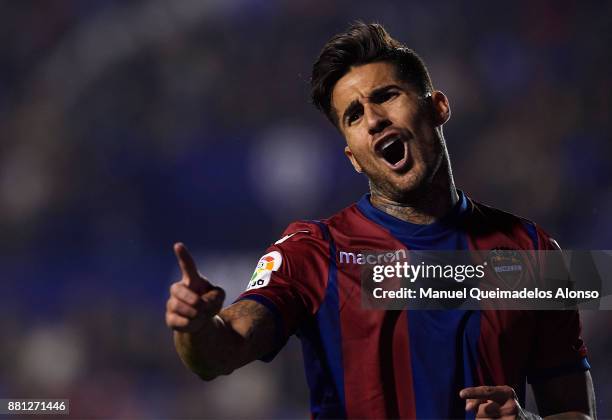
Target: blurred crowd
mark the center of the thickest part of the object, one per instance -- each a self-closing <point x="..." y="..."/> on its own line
<point x="129" y="125"/>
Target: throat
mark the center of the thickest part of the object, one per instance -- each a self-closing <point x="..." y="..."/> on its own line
<point x="422" y="210"/>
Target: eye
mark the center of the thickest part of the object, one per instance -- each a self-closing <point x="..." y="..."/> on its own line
<point x="385" y="96"/>
<point x="352" y="117"/>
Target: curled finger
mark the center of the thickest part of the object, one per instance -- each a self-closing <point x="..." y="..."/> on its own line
<point x="181" y="308"/>
<point x="184" y="293"/>
<point x="488" y="410"/>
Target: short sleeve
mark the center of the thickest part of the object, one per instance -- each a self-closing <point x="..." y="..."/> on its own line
<point x="559" y="348"/>
<point x="291" y="277"/>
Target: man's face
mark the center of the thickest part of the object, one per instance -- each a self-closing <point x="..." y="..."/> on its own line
<point x="393" y="135"/>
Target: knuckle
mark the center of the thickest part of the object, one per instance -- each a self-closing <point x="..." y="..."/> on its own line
<point x="174" y="288"/>
<point x="211" y="301"/>
<point x="216" y="294"/>
<point x="176" y="321"/>
<point x="186" y="310"/>
<point x="172" y="303"/>
<point x="508" y="392"/>
<point x="171" y="320"/>
<point x="179" y="292"/>
<point x="191" y="298"/>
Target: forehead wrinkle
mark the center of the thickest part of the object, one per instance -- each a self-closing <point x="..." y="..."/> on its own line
<point x="351" y="105"/>
<point x="351" y="89"/>
<point x="372" y="75"/>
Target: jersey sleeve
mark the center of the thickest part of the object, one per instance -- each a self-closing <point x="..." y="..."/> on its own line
<point x="558" y="349"/>
<point x="291" y="278"/>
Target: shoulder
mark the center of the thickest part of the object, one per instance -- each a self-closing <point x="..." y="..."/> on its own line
<point x="486" y="220"/>
<point x="302" y="242"/>
<point x="306" y="230"/>
<point x="305" y="242"/>
<point x="302" y="230"/>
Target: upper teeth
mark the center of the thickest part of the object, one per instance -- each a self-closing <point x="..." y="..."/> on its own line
<point x="386" y="143"/>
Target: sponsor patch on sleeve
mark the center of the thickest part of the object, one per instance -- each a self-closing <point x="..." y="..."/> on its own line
<point x="266" y="265"/>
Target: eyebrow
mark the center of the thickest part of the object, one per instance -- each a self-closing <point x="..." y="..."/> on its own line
<point x="355" y="103"/>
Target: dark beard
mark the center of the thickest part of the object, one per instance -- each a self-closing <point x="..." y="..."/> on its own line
<point x="424" y="189"/>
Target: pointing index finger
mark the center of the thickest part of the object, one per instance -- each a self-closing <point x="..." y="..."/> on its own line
<point x="186" y="262"/>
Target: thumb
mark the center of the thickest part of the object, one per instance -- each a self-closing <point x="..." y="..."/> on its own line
<point x="189" y="269"/>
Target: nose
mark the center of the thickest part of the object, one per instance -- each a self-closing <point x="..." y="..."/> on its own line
<point x="376" y="118"/>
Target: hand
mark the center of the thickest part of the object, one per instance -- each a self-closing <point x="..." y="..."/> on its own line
<point x="193" y="300"/>
<point x="496" y="402"/>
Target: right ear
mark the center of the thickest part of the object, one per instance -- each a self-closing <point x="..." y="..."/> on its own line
<point x="349" y="154"/>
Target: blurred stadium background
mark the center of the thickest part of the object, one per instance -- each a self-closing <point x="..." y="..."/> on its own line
<point x="129" y="125"/>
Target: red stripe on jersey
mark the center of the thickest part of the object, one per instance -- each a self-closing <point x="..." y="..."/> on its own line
<point x="406" y="403"/>
<point x="498" y="346"/>
<point x="376" y="385"/>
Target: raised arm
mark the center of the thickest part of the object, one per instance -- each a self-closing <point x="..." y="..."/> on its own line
<point x="209" y="340"/>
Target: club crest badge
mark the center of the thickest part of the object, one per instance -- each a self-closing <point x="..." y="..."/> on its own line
<point x="508" y="266"/>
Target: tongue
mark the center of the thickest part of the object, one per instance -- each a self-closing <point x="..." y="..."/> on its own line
<point x="394" y="152"/>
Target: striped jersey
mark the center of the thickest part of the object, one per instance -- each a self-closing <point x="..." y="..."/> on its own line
<point x="406" y="363"/>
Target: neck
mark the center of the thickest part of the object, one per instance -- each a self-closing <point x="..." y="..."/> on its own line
<point x="423" y="206"/>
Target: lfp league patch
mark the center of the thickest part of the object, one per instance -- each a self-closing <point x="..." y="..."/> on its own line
<point x="266" y="265"/>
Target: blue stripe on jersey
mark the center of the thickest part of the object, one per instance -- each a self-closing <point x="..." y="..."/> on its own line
<point x="469" y="347"/>
<point x="443" y="344"/>
<point x="444" y="355"/>
<point x="324" y="399"/>
<point x="420" y="236"/>
<point x="322" y="343"/>
<point x="533" y="234"/>
<point x="539" y="375"/>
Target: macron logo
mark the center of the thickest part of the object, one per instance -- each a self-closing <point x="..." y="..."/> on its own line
<point x="372" y="258"/>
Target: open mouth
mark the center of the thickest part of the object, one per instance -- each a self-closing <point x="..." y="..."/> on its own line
<point x="393" y="150"/>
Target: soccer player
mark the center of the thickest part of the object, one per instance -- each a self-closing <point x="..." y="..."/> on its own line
<point x="376" y="363"/>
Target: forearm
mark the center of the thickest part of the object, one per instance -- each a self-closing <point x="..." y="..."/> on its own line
<point x="239" y="334"/>
<point x="213" y="350"/>
<point x="208" y="344"/>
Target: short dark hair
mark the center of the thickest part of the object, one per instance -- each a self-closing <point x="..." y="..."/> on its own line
<point x="362" y="44"/>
